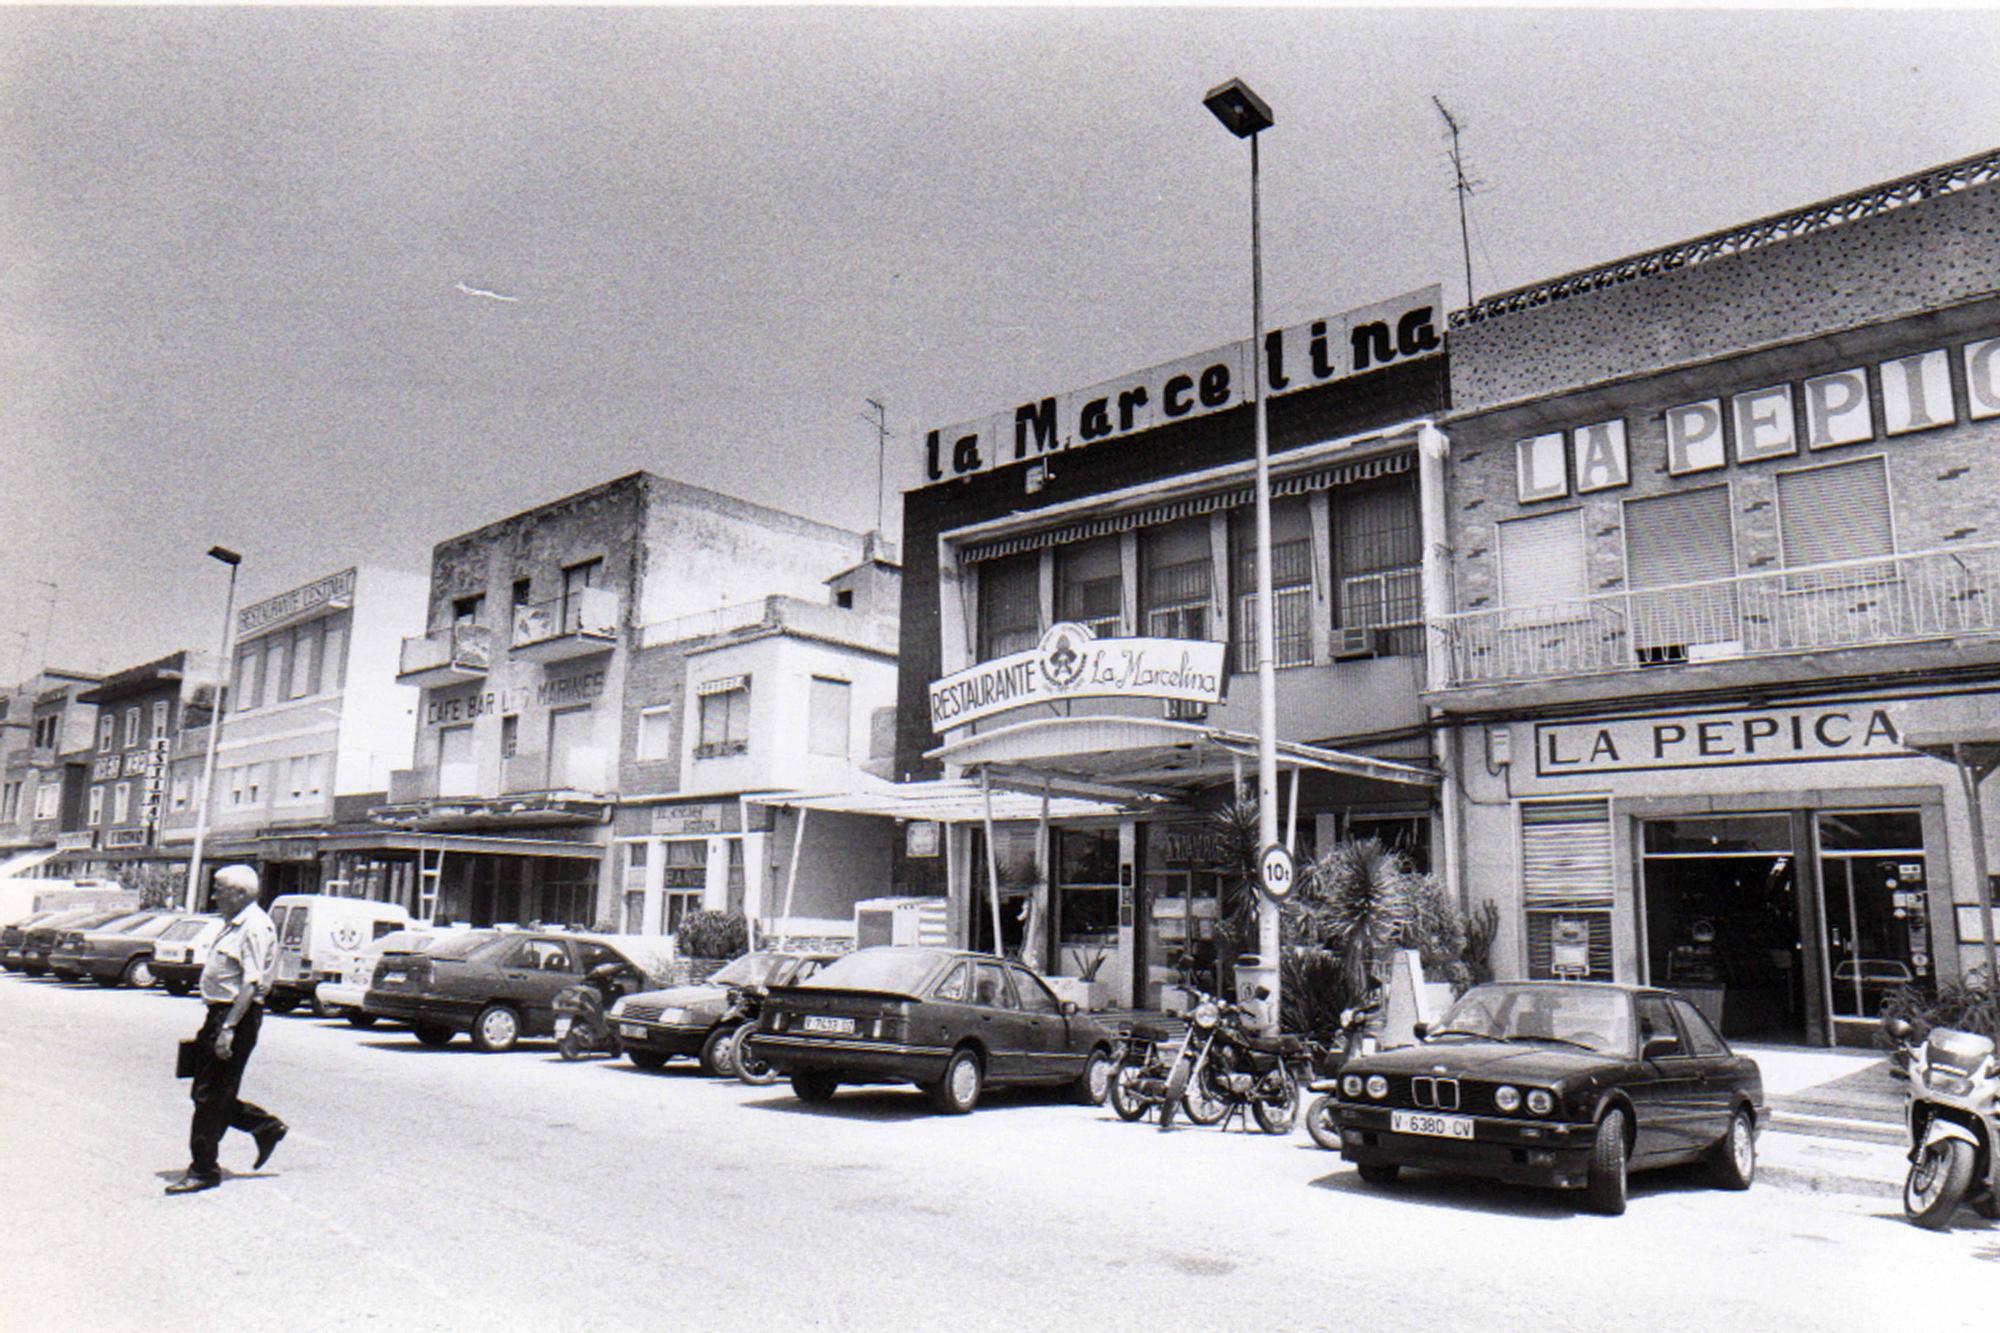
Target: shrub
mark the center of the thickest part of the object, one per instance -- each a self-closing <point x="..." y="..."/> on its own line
<point x="1312" y="991"/>
<point x="1957" y="1004"/>
<point x="714" y="935"/>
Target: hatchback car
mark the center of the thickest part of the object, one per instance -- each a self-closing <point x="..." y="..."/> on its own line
<point x="655" y="1026"/>
<point x="181" y="951"/>
<point x="119" y="953"/>
<point x="498" y="985"/>
<point x="1565" y="1084"/>
<point x="952" y="1023"/>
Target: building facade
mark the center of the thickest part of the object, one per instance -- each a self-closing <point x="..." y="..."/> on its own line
<point x="1124" y="514"/>
<point x="526" y="718"/>
<point x="1724" y="524"/>
<point x="46" y="733"/>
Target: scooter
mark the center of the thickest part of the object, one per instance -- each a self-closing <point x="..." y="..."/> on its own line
<point x="1954" y="1114"/>
<point x="746" y="1003"/>
<point x="1354" y="1039"/>
<point x="582" y="1027"/>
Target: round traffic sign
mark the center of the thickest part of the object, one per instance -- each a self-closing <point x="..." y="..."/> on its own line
<point x="1276" y="872"/>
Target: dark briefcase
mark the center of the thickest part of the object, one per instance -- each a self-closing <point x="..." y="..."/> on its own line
<point x="187" y="1058"/>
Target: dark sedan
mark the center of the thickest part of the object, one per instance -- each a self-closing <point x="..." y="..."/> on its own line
<point x="499" y="985"/>
<point x="952" y="1023"/>
<point x="119" y="953"/>
<point x="39" y="940"/>
<point x="657" y="1025"/>
<point x="1565" y="1084"/>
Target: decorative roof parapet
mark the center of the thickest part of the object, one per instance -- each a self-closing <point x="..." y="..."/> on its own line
<point x="1871" y="201"/>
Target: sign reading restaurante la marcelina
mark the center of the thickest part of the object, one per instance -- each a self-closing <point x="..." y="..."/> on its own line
<point x="1072" y="663"/>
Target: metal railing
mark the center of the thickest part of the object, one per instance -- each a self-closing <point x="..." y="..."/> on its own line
<point x="591" y="612"/>
<point x="1844" y="604"/>
<point x="466" y="646"/>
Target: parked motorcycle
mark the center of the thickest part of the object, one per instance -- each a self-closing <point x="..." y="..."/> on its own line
<point x="582" y="1027"/>
<point x="1245" y="1073"/>
<point x="1147" y="1060"/>
<point x="1353" y="1039"/>
<point x="1954" y="1115"/>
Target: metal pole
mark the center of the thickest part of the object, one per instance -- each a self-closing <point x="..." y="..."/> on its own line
<point x="214" y="735"/>
<point x="992" y="860"/>
<point x="1981" y="884"/>
<point x="792" y="871"/>
<point x="1267" y="635"/>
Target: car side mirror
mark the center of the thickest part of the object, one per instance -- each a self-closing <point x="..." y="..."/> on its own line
<point x="1656" y="1047"/>
<point x="1069" y="1008"/>
<point x="1420" y="1030"/>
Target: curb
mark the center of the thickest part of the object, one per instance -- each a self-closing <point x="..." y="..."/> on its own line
<point x="1815" y="1164"/>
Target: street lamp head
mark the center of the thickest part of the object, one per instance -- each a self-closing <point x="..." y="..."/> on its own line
<point x="1237" y="107"/>
<point x="225" y="555"/>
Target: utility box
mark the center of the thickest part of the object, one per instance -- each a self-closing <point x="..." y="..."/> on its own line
<point x="901" y="921"/>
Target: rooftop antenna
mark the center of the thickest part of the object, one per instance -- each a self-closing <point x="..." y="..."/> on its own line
<point x="1462" y="187"/>
<point x="881" y="449"/>
<point x="48" y="619"/>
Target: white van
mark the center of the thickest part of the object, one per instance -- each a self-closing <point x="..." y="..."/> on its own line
<point x="319" y="937"/>
<point x="22" y="897"/>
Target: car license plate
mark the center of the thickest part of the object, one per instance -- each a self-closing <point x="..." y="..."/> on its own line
<point x="562" y="1027"/>
<point x="1436" y="1126"/>
<point x="395" y="978"/>
<point x="631" y="1029"/>
<point x="827" y="1023"/>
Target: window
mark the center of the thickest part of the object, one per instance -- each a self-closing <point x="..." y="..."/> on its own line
<point x="1086" y="886"/>
<point x="576" y="578"/>
<point x="1684" y="544"/>
<point x="1838" y="512"/>
<point x="541" y="956"/>
<point x="725" y="718"/>
<point x="10" y="802"/>
<point x="468" y="610"/>
<point x="1035" y="997"/>
<point x="183" y="790"/>
<point x="132" y="736"/>
<point x="107" y="730"/>
<point x="1010" y="605"/>
<point x="121" y="802"/>
<point x="674" y="907"/>
<point x="1089" y="584"/>
<point x="1656" y="1021"/>
<point x="160" y="709"/>
<point x="253" y="783"/>
<point x="954" y="985"/>
<point x="96" y="815"/>
<point x="457" y="774"/>
<point x="569" y="744"/>
<point x="1702" y="1040"/>
<point x="1541" y="561"/>
<point x="656" y="732"/>
<point x="635" y="864"/>
<point x="271" y="684"/>
<point x="523" y="593"/>
<point x="1175" y="580"/>
<point x="826" y="728"/>
<point x="233" y="779"/>
<point x="333" y="653"/>
<point x="241" y="672"/>
<point x="46" y="731"/>
<point x="297" y="779"/>
<point x="844" y="599"/>
<point x="48" y="800"/>
<point x="510" y="735"/>
<point x="990" y="987"/>
<point x="1291" y="582"/>
<point x="1378" y="562"/>
<point x="305" y="660"/>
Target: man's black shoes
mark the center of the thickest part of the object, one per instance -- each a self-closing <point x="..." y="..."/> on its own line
<point x="267" y="1143"/>
<point x="192" y="1183"/>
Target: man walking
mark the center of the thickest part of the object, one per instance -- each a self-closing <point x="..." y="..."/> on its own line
<point x="233" y="983"/>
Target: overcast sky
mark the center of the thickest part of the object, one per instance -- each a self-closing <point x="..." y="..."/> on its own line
<point x="329" y="286"/>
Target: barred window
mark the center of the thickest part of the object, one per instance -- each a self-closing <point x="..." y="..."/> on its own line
<point x="1291" y="582"/>
<point x="1378" y="557"/>
<point x="1089" y="588"/>
<point x="1010" y="605"/>
<point x="1175" y="580"/>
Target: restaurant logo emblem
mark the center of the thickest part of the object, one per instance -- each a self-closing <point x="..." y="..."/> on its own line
<point x="1063" y="654"/>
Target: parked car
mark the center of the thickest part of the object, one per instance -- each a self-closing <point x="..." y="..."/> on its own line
<point x="181" y="951"/>
<point x="117" y="954"/>
<point x="690" y="1021"/>
<point x="39" y="940"/>
<point x="318" y="937"/>
<point x="343" y="998"/>
<point x="1564" y="1084"/>
<point x="953" y="1023"/>
<point x="14" y="933"/>
<point x="498" y="985"/>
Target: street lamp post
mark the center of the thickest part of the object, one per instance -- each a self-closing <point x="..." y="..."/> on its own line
<point x="232" y="559"/>
<point x="1246" y="116"/>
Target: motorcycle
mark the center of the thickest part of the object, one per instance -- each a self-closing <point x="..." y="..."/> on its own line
<point x="1243" y="1073"/>
<point x="1148" y="1057"/>
<point x="746" y="1003"/>
<point x="1954" y="1115"/>
<point x="582" y="1027"/>
<point x="1354" y="1039"/>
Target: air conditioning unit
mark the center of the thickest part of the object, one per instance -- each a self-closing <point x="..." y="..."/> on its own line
<point x="1356" y="641"/>
<point x="901" y="921"/>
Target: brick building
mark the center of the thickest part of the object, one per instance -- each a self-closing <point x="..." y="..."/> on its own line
<point x="1725" y="526"/>
<point x="45" y="735"/>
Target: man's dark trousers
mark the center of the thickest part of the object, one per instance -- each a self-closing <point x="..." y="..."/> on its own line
<point x="216" y="1107"/>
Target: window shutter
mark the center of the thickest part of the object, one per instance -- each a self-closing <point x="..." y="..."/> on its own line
<point x="1566" y="874"/>
<point x="1682" y="538"/>
<point x="1541" y="560"/>
<point x="1835" y="513"/>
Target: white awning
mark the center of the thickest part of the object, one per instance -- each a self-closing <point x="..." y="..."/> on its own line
<point x="954" y="801"/>
<point x="26" y="861"/>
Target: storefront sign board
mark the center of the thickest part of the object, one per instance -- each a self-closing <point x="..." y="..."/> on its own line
<point x="1072" y="663"/>
<point x="683" y="820"/>
<point x="920" y="838"/>
<point x="332" y="591"/>
<point x="1704" y="740"/>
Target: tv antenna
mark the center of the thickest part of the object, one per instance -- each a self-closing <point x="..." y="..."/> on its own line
<point x="881" y="420"/>
<point x="1462" y="187"/>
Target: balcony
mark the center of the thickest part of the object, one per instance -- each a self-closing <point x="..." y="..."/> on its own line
<point x="563" y="628"/>
<point x="1910" y="598"/>
<point x="449" y="656"/>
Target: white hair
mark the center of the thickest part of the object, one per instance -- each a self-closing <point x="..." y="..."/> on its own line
<point x="237" y="877"/>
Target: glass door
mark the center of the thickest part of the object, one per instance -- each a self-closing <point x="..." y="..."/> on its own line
<point x="1873" y="878"/>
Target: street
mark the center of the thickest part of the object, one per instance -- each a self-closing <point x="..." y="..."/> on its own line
<point x="426" y="1189"/>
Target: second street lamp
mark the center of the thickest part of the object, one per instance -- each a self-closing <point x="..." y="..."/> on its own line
<point x="232" y="559"/>
<point x="1246" y="116"/>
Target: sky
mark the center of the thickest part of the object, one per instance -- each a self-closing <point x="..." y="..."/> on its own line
<point x="328" y="286"/>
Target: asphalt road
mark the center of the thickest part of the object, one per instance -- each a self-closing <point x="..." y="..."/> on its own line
<point x="447" y="1189"/>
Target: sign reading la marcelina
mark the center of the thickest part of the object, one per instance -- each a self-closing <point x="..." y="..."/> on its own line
<point x="1393" y="331"/>
<point x="1072" y="663"/>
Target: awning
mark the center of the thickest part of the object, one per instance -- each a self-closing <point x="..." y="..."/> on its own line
<point x="947" y="802"/>
<point x="1145" y="756"/>
<point x="26" y="861"/>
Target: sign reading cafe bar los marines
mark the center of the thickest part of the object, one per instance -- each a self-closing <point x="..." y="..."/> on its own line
<point x="1072" y="663"/>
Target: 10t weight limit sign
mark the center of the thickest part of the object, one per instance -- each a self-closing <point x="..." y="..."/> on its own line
<point x="1276" y="873"/>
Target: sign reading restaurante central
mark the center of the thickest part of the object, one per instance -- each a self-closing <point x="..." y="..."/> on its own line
<point x="1072" y="663"/>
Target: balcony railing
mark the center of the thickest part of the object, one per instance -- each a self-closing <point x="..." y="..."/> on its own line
<point x="1845" y="604"/>
<point x="584" y="622"/>
<point x="447" y="656"/>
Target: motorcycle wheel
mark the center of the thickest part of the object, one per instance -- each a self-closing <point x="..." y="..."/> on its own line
<point x="1203" y="1104"/>
<point x="1276" y="1114"/>
<point x="1937" y="1183"/>
<point x="571" y="1046"/>
<point x="751" y="1067"/>
<point x="1126" y="1104"/>
<point x="1320" y="1123"/>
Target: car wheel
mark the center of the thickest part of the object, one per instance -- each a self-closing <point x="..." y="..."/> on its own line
<point x="1604" y="1188"/>
<point x="1125" y="1101"/>
<point x="139" y="973"/>
<point x="177" y="988"/>
<point x="751" y="1067"/>
<point x="1094" y="1083"/>
<point x="1378" y="1173"/>
<point x="718" y="1052"/>
<point x="496" y="1029"/>
<point x="360" y="1018"/>
<point x="434" y="1034"/>
<point x="1937" y="1183"/>
<point x="1734" y="1163"/>
<point x="281" y="1002"/>
<point x="1322" y="1124"/>
<point x="646" y="1059"/>
<point x="814" y="1086"/>
<point x="958" y="1091"/>
<point x="321" y="1009"/>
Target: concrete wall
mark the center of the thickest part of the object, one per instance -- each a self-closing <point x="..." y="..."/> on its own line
<point x="704" y="550"/>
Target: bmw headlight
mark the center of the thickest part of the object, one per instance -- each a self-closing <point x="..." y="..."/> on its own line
<point x="1540" y="1102"/>
<point x="1206" y="1014"/>
<point x="1507" y="1098"/>
<point x="1350" y="1087"/>
<point x="1378" y="1087"/>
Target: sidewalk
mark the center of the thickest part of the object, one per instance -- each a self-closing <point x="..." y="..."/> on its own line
<point x="1836" y="1121"/>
